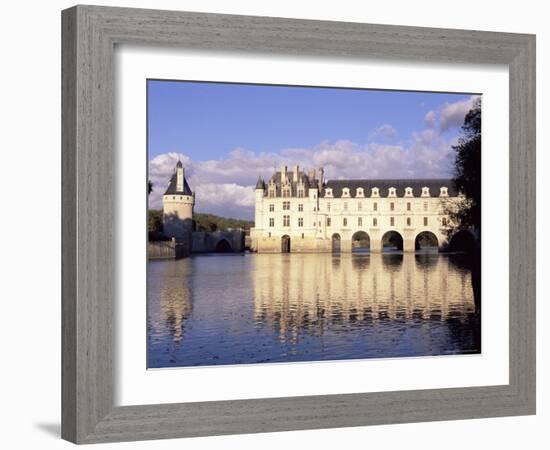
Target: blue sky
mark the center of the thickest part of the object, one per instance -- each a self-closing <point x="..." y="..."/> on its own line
<point x="228" y="134"/>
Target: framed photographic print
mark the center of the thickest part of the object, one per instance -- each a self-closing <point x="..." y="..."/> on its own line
<point x="322" y="215"/>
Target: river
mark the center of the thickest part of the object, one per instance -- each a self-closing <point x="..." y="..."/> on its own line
<point x="265" y="308"/>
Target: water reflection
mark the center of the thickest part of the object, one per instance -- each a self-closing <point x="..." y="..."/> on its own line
<point x="289" y="307"/>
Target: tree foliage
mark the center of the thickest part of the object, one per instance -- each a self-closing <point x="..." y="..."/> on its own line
<point x="211" y="222"/>
<point x="203" y="222"/>
<point x="467" y="172"/>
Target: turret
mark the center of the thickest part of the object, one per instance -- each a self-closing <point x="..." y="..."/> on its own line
<point x="177" y="204"/>
<point x="260" y="184"/>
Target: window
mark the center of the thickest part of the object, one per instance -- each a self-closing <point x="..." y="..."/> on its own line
<point x="392" y="221"/>
<point x="444" y="221"/>
<point x="286" y="206"/>
<point x="301" y="193"/>
<point x="271" y="207"/>
<point x="408" y="206"/>
<point x="359" y="206"/>
<point x="300" y="207"/>
<point x="328" y="221"/>
<point x="345" y="221"/>
<point x="375" y="222"/>
<point x="360" y="192"/>
<point x="425" y="206"/>
<point x="270" y="234"/>
<point x="425" y="192"/>
<point x="345" y="206"/>
<point x="286" y="192"/>
<point x="300" y="221"/>
<point x="375" y="206"/>
<point x="345" y="192"/>
<point x="443" y="192"/>
<point x="272" y="193"/>
<point x="391" y="192"/>
<point x="360" y="221"/>
<point x="286" y="221"/>
<point x="408" y="221"/>
<point x="375" y="192"/>
<point x="408" y="192"/>
<point x="302" y="235"/>
<point x="425" y="221"/>
<point x="328" y="192"/>
<point x="392" y="206"/>
<point x="271" y="222"/>
<point x="173" y="197"/>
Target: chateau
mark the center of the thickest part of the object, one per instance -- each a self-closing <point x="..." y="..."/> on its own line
<point x="299" y="212"/>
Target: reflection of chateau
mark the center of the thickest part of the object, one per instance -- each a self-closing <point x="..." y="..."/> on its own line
<point x="299" y="212"/>
<point x="313" y="293"/>
<point x="177" y="204"/>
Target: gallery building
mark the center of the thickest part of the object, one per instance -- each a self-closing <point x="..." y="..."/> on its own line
<point x="297" y="211"/>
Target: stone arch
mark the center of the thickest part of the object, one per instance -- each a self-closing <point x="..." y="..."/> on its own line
<point x="392" y="241"/>
<point x="360" y="242"/>
<point x="426" y="241"/>
<point x="462" y="241"/>
<point x="223" y="246"/>
<point x="336" y="243"/>
<point x="285" y="244"/>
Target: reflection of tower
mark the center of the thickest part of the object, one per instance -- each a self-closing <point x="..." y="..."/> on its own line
<point x="177" y="204"/>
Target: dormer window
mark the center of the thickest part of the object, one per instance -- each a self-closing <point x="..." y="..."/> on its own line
<point x="345" y="192"/>
<point x="408" y="192"/>
<point x="300" y="193"/>
<point x="328" y="192"/>
<point x="443" y="192"/>
<point x="360" y="192"/>
<point x="425" y="192"/>
<point x="375" y="192"/>
<point x="286" y="192"/>
<point x="391" y="192"/>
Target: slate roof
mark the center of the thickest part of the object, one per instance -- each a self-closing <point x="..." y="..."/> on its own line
<point x="399" y="184"/>
<point x="172" y="187"/>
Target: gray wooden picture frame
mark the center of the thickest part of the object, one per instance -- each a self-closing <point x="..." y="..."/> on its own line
<point x="89" y="36"/>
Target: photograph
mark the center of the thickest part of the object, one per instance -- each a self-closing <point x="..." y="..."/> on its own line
<point x="298" y="223"/>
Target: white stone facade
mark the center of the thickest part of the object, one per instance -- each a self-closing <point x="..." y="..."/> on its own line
<point x="305" y="213"/>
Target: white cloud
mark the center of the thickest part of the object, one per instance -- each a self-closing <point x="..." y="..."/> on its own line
<point x="429" y="118"/>
<point x="385" y="131"/>
<point x="228" y="200"/>
<point x="452" y="114"/>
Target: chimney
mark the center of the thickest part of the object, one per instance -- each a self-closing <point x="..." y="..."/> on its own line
<point x="283" y="173"/>
<point x="296" y="170"/>
<point x="321" y="178"/>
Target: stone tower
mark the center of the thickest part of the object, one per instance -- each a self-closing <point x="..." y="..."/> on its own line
<point x="177" y="204"/>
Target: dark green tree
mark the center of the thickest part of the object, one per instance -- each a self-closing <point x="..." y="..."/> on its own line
<point x="467" y="172"/>
<point x="149" y="186"/>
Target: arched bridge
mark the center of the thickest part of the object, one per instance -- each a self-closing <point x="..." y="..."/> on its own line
<point x="230" y="241"/>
